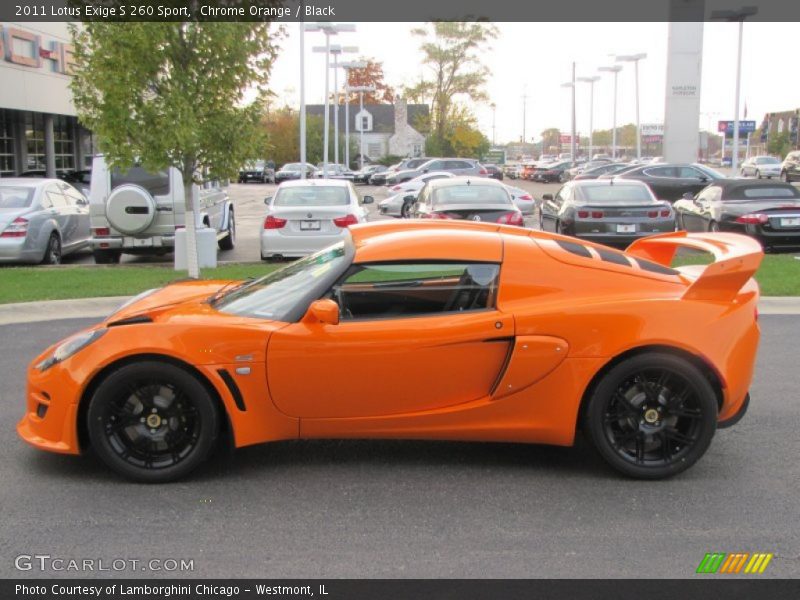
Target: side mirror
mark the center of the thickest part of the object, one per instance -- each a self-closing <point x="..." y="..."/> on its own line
<point x="688" y="196"/>
<point x="268" y="199"/>
<point x="425" y="170"/>
<point x="547" y="197"/>
<point x="367" y="200"/>
<point x="324" y="311"/>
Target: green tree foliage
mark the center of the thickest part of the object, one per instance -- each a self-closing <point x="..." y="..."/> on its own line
<point x="455" y="72"/>
<point x="173" y="95"/>
<point x="779" y="144"/>
<point x="282" y="129"/>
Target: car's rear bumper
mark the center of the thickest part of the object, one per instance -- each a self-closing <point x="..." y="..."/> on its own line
<point x="14" y="250"/>
<point x="274" y="244"/>
<point x="133" y="243"/>
<point x="737" y="416"/>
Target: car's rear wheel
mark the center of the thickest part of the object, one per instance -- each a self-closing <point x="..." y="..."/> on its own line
<point x="713" y="227"/>
<point x="229" y="241"/>
<point x="106" y="257"/>
<point x="52" y="254"/>
<point x="758" y="174"/>
<point x="652" y="416"/>
<point x="152" y="422"/>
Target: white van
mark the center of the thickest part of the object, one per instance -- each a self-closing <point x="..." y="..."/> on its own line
<point x="137" y="212"/>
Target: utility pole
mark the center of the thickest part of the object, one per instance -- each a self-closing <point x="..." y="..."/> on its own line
<point x="524" y="108"/>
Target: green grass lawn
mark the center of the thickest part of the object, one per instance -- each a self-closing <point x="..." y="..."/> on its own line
<point x="779" y="275"/>
<point x="25" y="284"/>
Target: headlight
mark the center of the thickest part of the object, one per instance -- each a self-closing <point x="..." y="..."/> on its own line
<point x="70" y="346"/>
<point x="136" y="298"/>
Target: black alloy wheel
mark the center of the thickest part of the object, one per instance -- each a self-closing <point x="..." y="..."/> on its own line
<point x="52" y="255"/>
<point x="713" y="227"/>
<point x="152" y="422"/>
<point x="652" y="416"/>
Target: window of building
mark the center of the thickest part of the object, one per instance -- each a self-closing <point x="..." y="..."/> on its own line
<point x="397" y="290"/>
<point x="363" y="121"/>
<point x="7" y="154"/>
<point x="374" y="150"/>
<point x="34" y="139"/>
<point x="64" y="141"/>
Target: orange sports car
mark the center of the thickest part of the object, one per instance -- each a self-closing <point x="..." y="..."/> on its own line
<point x="434" y="330"/>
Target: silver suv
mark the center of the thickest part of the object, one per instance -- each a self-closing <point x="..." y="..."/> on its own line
<point x="456" y="166"/>
<point x="137" y="212"/>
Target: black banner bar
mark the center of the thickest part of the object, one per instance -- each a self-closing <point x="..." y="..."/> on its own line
<point x="288" y="11"/>
<point x="706" y="588"/>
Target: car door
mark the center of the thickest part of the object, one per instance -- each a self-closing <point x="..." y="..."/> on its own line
<point x="663" y="181"/>
<point x="692" y="180"/>
<point x="78" y="206"/>
<point x="551" y="208"/>
<point x="61" y="213"/>
<point x="413" y="336"/>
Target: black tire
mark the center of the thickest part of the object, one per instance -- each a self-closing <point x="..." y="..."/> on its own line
<point x="713" y="227"/>
<point x="679" y="226"/>
<point x="138" y="411"/>
<point x="758" y="174"/>
<point x="106" y="257"/>
<point x="659" y="403"/>
<point x="405" y="210"/>
<point x="52" y="254"/>
<point x="229" y="241"/>
<point x="784" y="177"/>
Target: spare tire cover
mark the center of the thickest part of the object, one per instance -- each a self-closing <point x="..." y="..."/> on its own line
<point x="130" y="209"/>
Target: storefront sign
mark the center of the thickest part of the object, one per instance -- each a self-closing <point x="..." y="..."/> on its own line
<point x="27" y="49"/>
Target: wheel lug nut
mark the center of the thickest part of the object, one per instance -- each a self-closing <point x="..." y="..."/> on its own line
<point x="154" y="410"/>
<point x="141" y="420"/>
<point x="152" y="431"/>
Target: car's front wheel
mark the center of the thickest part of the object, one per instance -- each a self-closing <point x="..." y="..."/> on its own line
<point x="652" y="415"/>
<point x="152" y="422"/>
<point x="229" y="241"/>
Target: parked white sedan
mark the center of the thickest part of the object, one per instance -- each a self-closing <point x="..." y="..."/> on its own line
<point x="397" y="205"/>
<point x="307" y="215"/>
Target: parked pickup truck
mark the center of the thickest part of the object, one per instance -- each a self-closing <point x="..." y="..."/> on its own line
<point x="137" y="212"/>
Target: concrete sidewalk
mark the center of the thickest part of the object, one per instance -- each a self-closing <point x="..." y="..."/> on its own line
<point x="85" y="308"/>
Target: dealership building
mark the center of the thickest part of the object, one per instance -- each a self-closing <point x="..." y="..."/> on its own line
<point x="39" y="130"/>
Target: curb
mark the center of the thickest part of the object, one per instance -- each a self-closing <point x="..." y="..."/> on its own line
<point x="85" y="308"/>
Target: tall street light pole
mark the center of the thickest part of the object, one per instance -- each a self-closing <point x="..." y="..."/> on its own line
<point x="328" y="29"/>
<point x="494" y="114"/>
<point x="524" y="109"/>
<point x="348" y="66"/>
<point x="590" y="81"/>
<point x="615" y="70"/>
<point x="572" y="146"/>
<point x="336" y="50"/>
<point x="734" y="16"/>
<point x="361" y="89"/>
<point x="635" y="58"/>
<point x="303" y="27"/>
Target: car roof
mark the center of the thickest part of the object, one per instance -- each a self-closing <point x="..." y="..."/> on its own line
<point x="733" y="186"/>
<point x="28" y="181"/>
<point x="457" y="181"/>
<point x="315" y="183"/>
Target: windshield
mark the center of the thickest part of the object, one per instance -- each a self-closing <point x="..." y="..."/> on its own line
<point x="470" y="194"/>
<point x="292" y="167"/>
<point x="767" y="160"/>
<point x="312" y="195"/>
<point x="274" y="296"/>
<point x="15" y="197"/>
<point x="256" y="165"/>
<point x="616" y="194"/>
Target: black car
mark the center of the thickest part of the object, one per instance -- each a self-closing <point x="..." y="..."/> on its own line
<point x="671" y="181"/>
<point x="495" y="172"/>
<point x="363" y="175"/>
<point x="790" y="169"/>
<point x="767" y="211"/>
<point x="606" y="169"/>
<point x="293" y="171"/>
<point x="556" y="171"/>
<point x="260" y="171"/>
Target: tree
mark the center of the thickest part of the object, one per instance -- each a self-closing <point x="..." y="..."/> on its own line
<point x="371" y="75"/>
<point x="172" y="95"/>
<point x="451" y="52"/>
<point x="551" y="138"/>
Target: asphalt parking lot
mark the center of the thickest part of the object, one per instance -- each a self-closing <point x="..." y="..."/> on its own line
<point x="414" y="509"/>
<point x="249" y="205"/>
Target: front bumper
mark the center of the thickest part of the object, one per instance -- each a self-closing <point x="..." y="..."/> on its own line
<point x="735" y="418"/>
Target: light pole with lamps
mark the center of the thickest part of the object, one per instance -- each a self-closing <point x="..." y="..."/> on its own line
<point x="590" y="81"/>
<point x="736" y="16"/>
<point x="635" y="58"/>
<point x="615" y="69"/>
<point x="494" y="113"/>
<point x="361" y="89"/>
<point x="328" y="29"/>
<point x="571" y="85"/>
<point x="347" y="66"/>
<point x="336" y="50"/>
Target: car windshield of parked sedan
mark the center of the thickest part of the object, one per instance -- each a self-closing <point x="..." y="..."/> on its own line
<point x="470" y="194"/>
<point x="256" y="165"/>
<point x="292" y="167"/>
<point x="615" y="194"/>
<point x="767" y="160"/>
<point x="15" y="197"/>
<point x="312" y="195"/>
<point x="771" y="192"/>
<point x="274" y="296"/>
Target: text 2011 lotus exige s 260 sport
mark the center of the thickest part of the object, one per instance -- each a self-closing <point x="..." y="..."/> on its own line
<point x="420" y="329"/>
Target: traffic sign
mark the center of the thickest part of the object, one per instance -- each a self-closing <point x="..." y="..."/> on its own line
<point x="726" y="127"/>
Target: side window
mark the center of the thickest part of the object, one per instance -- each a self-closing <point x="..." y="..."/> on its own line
<point x="436" y="165"/>
<point x="398" y="290"/>
<point x="155" y="183"/>
<point x="561" y="196"/>
<point x="660" y="172"/>
<point x="709" y="194"/>
<point x="55" y="197"/>
<point x="72" y="195"/>
<point x="690" y="173"/>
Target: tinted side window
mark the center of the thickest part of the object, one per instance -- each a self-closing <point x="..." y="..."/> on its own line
<point x="397" y="290"/>
<point x="690" y="173"/>
<point x="436" y="166"/>
<point x="157" y="184"/>
<point x="660" y="172"/>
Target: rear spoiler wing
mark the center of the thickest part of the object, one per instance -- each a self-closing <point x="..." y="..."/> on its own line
<point x="737" y="258"/>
